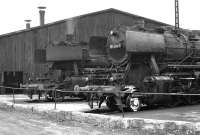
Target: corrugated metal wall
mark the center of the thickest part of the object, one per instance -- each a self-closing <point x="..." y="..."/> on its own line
<point x="17" y="50"/>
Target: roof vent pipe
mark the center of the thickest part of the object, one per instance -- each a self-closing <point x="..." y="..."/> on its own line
<point x="28" y="25"/>
<point x="42" y="15"/>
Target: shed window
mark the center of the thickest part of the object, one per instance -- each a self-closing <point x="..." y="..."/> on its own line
<point x="40" y="55"/>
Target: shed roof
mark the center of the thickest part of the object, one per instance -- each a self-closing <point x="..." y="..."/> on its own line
<point x="81" y="16"/>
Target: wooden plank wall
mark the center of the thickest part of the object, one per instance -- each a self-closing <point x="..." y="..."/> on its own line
<point x="17" y="50"/>
<point x="95" y="25"/>
<point x="125" y="20"/>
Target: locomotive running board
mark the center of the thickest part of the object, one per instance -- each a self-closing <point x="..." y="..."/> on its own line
<point x="185" y="66"/>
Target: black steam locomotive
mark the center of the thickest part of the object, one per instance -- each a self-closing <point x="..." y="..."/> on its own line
<point x="129" y="62"/>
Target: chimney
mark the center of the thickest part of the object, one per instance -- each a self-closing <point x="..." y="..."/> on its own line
<point x="28" y="25"/>
<point x="42" y="14"/>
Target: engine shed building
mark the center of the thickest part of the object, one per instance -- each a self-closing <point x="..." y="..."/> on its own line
<point x="22" y="53"/>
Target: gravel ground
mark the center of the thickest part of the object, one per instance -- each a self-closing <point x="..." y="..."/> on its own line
<point x="21" y="123"/>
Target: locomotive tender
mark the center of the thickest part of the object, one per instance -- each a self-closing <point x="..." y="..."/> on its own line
<point x="133" y="59"/>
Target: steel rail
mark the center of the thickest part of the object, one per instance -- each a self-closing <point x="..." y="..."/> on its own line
<point x="108" y="92"/>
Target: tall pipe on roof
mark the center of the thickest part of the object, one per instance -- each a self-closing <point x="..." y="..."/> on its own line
<point x="28" y="25"/>
<point x="42" y="15"/>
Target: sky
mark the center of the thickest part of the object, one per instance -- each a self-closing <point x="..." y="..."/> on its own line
<point x="14" y="12"/>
